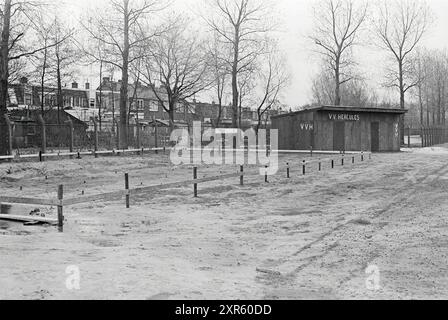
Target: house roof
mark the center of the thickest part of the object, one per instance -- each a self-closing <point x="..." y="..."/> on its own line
<point x="143" y="92"/>
<point x="343" y="109"/>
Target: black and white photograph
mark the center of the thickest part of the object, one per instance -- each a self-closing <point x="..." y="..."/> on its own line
<point x="223" y="150"/>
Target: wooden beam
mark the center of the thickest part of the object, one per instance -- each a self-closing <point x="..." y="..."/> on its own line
<point x="27" y="218"/>
<point x="117" y="195"/>
<point x="41" y="202"/>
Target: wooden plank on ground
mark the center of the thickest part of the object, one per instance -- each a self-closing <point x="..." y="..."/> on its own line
<point x="19" y="218"/>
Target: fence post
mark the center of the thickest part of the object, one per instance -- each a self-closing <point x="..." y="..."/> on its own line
<point x="117" y="137"/>
<point x="362" y="156"/>
<point x="431" y="137"/>
<point x="342" y="160"/>
<point x="320" y="165"/>
<point x="10" y="134"/>
<point x="332" y="164"/>
<point x="156" y="135"/>
<point x="242" y="175"/>
<point x="353" y="160"/>
<point x="421" y="134"/>
<point x="266" y="174"/>
<point x="126" y="186"/>
<point x="409" y="137"/>
<point x="43" y="147"/>
<point x="304" y="167"/>
<point x="137" y="123"/>
<point x="287" y="171"/>
<point x="195" y="176"/>
<point x="61" y="208"/>
<point x="95" y="137"/>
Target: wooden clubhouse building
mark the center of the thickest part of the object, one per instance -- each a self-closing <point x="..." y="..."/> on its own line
<point x="330" y="128"/>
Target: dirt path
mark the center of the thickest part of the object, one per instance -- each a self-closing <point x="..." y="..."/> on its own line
<point x="302" y="238"/>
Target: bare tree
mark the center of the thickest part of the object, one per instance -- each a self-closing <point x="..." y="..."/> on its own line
<point x="177" y="60"/>
<point x="66" y="54"/>
<point x="218" y="55"/>
<point x="336" y="31"/>
<point x="400" y="27"/>
<point x="431" y="90"/>
<point x="273" y="77"/>
<point x="17" y="31"/>
<point x="354" y="93"/>
<point x="122" y="30"/>
<point x="42" y="59"/>
<point x="239" y="24"/>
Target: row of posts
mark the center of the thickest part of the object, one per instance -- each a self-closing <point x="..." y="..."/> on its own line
<point x="430" y="136"/>
<point x="71" y="142"/>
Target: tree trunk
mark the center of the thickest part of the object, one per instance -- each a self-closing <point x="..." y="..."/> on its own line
<point x="101" y="95"/>
<point x="235" y="93"/>
<point x="402" y="99"/>
<point x="42" y="83"/>
<point x="60" y="96"/>
<point x="4" y="77"/>
<point x="172" y="110"/>
<point x="218" y="119"/>
<point x="123" y="139"/>
<point x="420" y="99"/>
<point x="337" y="92"/>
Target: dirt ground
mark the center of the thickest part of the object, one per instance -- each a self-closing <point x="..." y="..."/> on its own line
<point x="307" y="237"/>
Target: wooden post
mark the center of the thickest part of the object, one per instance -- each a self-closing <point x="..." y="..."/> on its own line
<point x="362" y="156"/>
<point x="95" y="137"/>
<point x="342" y="160"/>
<point x="61" y="208"/>
<point x="304" y="167"/>
<point x="156" y="135"/>
<point x="266" y="174"/>
<point x="332" y="164"/>
<point x="353" y="160"/>
<point x="10" y="135"/>
<point x="43" y="147"/>
<point x="287" y="171"/>
<point x="195" y="176"/>
<point x="117" y="137"/>
<point x="242" y="175"/>
<point x="320" y="166"/>
<point x="126" y="186"/>
<point x="409" y="137"/>
<point x="421" y="134"/>
<point x="139" y="144"/>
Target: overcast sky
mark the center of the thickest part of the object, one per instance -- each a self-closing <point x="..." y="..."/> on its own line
<point x="296" y="22"/>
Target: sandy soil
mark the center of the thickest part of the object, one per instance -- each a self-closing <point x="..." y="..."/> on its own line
<point x="307" y="237"/>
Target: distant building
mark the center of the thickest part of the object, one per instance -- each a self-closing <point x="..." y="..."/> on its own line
<point x="336" y="128"/>
<point x="144" y="103"/>
<point x="24" y="95"/>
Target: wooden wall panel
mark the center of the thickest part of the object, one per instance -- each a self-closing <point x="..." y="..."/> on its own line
<point x="293" y="136"/>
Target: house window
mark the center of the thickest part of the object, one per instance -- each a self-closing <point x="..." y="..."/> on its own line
<point x="140" y="104"/>
<point x="153" y="106"/>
